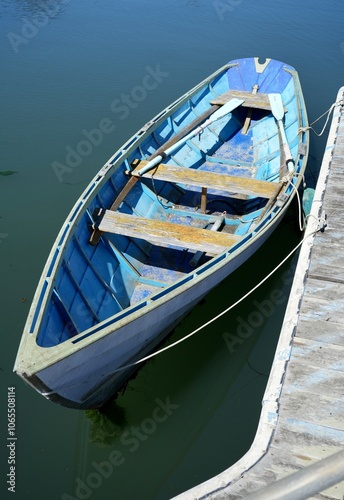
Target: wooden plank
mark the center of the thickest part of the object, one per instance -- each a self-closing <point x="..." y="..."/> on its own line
<point x="313" y="380"/>
<point x="339" y="149"/>
<point x="328" y="265"/>
<point x="166" y="233"/>
<point x="320" y="330"/>
<point x="330" y="295"/>
<point x="317" y="409"/>
<point x="95" y="236"/>
<point x="260" y="101"/>
<point x="320" y="354"/>
<point x="304" y="438"/>
<point x="211" y="180"/>
<point x="337" y="164"/>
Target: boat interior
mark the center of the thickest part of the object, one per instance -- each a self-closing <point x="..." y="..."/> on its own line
<point x="201" y="201"/>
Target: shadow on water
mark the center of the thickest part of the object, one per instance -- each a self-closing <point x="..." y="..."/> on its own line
<point x="106" y="425"/>
<point x="7" y="172"/>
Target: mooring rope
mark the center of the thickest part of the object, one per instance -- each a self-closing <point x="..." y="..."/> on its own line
<point x="302" y="225"/>
<point x="328" y="112"/>
<point x="288" y="179"/>
<point x="215" y="318"/>
<point x="321" y="225"/>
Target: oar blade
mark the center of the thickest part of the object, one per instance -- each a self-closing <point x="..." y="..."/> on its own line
<point x="226" y="109"/>
<point x="277" y="107"/>
<point x="223" y="111"/>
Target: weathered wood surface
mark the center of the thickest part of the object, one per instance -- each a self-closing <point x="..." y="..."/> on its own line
<point x="320" y="354"/>
<point x="166" y="233"/>
<point x="211" y="180"/>
<point x="319" y="331"/>
<point x="260" y="101"/>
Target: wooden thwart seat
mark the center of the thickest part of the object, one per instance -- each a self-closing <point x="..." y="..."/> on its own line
<point x="211" y="180"/>
<point x="164" y="233"/>
<point x="251" y="100"/>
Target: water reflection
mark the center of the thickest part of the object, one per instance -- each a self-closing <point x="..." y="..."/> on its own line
<point x="34" y="8"/>
<point x="106" y="425"/>
<point x="25" y="18"/>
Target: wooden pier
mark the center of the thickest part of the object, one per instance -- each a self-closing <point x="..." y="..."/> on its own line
<point x="302" y="418"/>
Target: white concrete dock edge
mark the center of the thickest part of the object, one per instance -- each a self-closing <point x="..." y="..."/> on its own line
<point x="268" y="422"/>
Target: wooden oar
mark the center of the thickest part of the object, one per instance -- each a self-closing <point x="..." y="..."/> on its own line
<point x="195" y="123"/>
<point x="133" y="180"/>
<point x="277" y="109"/>
<point x="173" y="143"/>
<point x="220" y="113"/>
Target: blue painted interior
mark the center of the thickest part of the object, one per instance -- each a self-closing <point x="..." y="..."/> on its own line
<point x="94" y="283"/>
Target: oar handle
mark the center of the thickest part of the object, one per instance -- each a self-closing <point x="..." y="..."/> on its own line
<point x="150" y="164"/>
<point x="286" y="149"/>
<point x="277" y="109"/>
<point x="289" y="159"/>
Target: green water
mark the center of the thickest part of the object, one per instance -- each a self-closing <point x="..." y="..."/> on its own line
<point x="68" y="69"/>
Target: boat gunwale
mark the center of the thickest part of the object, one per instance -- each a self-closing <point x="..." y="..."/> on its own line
<point x="67" y="348"/>
<point x="55" y="259"/>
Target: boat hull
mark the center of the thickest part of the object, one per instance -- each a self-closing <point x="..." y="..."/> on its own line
<point x="91" y="376"/>
<point x="100" y="308"/>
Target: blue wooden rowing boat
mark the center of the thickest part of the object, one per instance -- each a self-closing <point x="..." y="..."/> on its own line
<point x="176" y="210"/>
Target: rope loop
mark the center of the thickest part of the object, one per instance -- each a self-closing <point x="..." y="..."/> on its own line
<point x="328" y="113"/>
